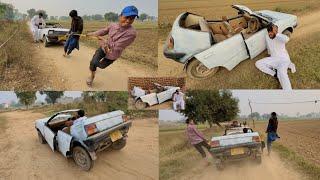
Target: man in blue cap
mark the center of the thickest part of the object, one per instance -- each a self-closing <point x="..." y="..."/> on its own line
<point x="120" y="35"/>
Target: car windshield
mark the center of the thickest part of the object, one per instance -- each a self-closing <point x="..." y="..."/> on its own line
<point x="272" y="19"/>
<point x="53" y="25"/>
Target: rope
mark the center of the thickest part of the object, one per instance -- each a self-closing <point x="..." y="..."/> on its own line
<point x="2" y="45"/>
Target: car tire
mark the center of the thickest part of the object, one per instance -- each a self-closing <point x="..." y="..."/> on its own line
<point x="196" y="70"/>
<point x="287" y="33"/>
<point x="139" y="104"/>
<point x="82" y="158"/>
<point x="41" y="138"/>
<point x="119" y="144"/>
<point x="45" y="41"/>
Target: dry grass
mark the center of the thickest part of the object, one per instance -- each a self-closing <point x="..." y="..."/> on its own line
<point x="144" y="48"/>
<point x="176" y="154"/>
<point x="18" y="70"/>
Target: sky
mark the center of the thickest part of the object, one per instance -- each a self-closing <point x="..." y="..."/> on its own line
<point x="278" y="96"/>
<point x="10" y="96"/>
<point x="63" y="7"/>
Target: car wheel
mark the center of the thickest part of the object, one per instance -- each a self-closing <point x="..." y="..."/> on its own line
<point x="82" y="158"/>
<point x="119" y="144"/>
<point x="219" y="164"/>
<point x="41" y="138"/>
<point x="139" y="104"/>
<point x="45" y="41"/>
<point x="287" y="33"/>
<point x="197" y="70"/>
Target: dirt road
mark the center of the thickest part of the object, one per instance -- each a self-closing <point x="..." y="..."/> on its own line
<point x="71" y="73"/>
<point x="271" y="168"/>
<point x="23" y="157"/>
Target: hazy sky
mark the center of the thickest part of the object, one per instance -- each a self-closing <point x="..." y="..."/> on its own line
<point x="63" y="7"/>
<point x="9" y="96"/>
<point x="278" y="96"/>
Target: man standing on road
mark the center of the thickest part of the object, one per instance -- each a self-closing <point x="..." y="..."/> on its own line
<point x="279" y="61"/>
<point x="74" y="33"/>
<point x="272" y="131"/>
<point x="37" y="22"/>
<point x="197" y="139"/>
<point x="178" y="100"/>
<point x="120" y="35"/>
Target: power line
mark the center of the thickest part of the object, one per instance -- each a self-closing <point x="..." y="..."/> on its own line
<point x="294" y="102"/>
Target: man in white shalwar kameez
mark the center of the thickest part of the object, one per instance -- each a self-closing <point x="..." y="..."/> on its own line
<point x="178" y="100"/>
<point x="37" y="22"/>
<point x="279" y="61"/>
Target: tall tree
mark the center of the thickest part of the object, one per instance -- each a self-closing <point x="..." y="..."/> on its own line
<point x="211" y="106"/>
<point x="45" y="15"/>
<point x="26" y="98"/>
<point x="143" y="16"/>
<point x="255" y="115"/>
<point x="111" y="16"/>
<point x="52" y="96"/>
<point x="31" y="12"/>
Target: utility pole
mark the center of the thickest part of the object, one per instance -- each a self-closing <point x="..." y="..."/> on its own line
<point x="251" y="112"/>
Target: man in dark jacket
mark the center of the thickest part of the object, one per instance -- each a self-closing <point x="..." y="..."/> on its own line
<point x="74" y="33"/>
<point x="272" y="130"/>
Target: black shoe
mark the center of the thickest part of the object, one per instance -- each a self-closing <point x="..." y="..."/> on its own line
<point x="276" y="74"/>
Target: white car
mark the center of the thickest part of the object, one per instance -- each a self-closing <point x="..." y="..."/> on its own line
<point x="93" y="135"/>
<point x="205" y="45"/>
<point x="160" y="95"/>
<point x="237" y="144"/>
<point x="53" y="33"/>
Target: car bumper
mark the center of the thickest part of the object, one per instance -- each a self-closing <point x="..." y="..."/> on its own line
<point x="56" y="38"/>
<point x="225" y="151"/>
<point x="102" y="140"/>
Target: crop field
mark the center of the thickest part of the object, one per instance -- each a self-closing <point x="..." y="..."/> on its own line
<point x="179" y="160"/>
<point x="212" y="9"/>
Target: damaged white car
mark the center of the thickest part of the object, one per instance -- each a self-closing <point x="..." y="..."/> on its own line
<point x="206" y="45"/>
<point x="144" y="98"/>
<point x="85" y="139"/>
<point x="53" y="33"/>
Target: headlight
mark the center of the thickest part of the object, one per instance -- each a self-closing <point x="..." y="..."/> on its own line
<point x="50" y="32"/>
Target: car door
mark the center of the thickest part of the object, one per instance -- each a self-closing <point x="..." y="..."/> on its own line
<point x="257" y="43"/>
<point x="166" y="95"/>
<point x="151" y="99"/>
<point x="227" y="53"/>
<point x="64" y="142"/>
<point x="49" y="136"/>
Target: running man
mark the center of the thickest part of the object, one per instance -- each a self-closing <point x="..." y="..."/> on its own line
<point x="272" y="131"/>
<point x="37" y="22"/>
<point x="120" y="35"/>
<point x="74" y="33"/>
<point x="279" y="61"/>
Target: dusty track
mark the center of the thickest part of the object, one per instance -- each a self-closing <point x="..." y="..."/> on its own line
<point x="23" y="157"/>
<point x="271" y="168"/>
<point x="72" y="72"/>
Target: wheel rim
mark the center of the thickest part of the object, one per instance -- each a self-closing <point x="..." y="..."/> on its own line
<point x="202" y="71"/>
<point x="80" y="158"/>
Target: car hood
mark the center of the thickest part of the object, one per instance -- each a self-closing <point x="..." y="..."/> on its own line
<point x="276" y="16"/>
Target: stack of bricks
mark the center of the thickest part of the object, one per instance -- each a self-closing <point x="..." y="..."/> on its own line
<point x="147" y="82"/>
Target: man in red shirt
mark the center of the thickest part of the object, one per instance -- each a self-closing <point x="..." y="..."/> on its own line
<point x="120" y="35"/>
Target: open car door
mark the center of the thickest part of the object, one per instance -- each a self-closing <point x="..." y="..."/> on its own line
<point x="227" y="53"/>
<point x="64" y="142"/>
<point x="257" y="43"/>
<point x="166" y="95"/>
<point x="49" y="136"/>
